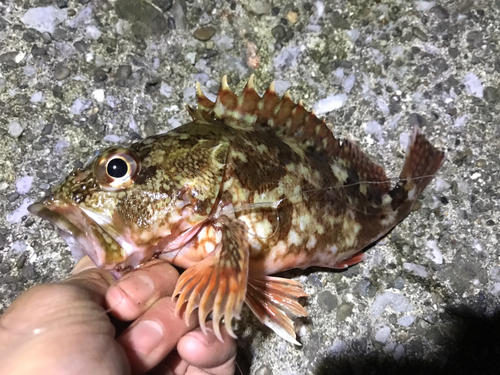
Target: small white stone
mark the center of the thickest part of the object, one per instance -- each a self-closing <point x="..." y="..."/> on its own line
<point x="98" y="95"/>
<point x="404" y="140"/>
<point x="399" y="352"/>
<point x="92" y="32"/>
<point x="473" y="85"/>
<point x="37" y="97"/>
<point x="15" y="129"/>
<point x="383" y="334"/>
<point x="19" y="57"/>
<point x="397" y="301"/>
<point x="281" y="86"/>
<point x="348" y="83"/>
<point x="406" y="321"/>
<point x="435" y="254"/>
<point x="424" y="6"/>
<point x="61" y="145"/>
<point x="191" y="57"/>
<point x="24" y="184"/>
<point x="416" y="269"/>
<point x="166" y="90"/>
<point x="353" y="34"/>
<point x="80" y="105"/>
<point x="330" y="103"/>
<point x="44" y="19"/>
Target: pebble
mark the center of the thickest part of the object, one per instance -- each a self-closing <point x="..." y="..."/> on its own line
<point x="419" y="34"/>
<point x="145" y="18"/>
<point x="61" y="72"/>
<point x="37" y="97"/>
<point x="260" y="7"/>
<point x="15" y="129"/>
<point x="475" y="38"/>
<point x="150" y="127"/>
<point x="422" y="70"/>
<point x="47" y="129"/>
<point x="327" y="301"/>
<point x="8" y="56"/>
<point x="98" y="95"/>
<point x="60" y="119"/>
<point x="38" y="51"/>
<point x="123" y="72"/>
<point x="57" y="91"/>
<point x="338" y="22"/>
<point x="44" y="19"/>
<point x="204" y="33"/>
<point x="292" y="17"/>
<point x="164" y="5"/>
<point x="171" y="23"/>
<point x="80" y="46"/>
<point x="441" y="12"/>
<point x="440" y="65"/>
<point x="100" y="75"/>
<point x="279" y="32"/>
<point x="344" y="311"/>
<point x="490" y="94"/>
<point x="416" y="119"/>
<point x="264" y="370"/>
<point x="12" y="197"/>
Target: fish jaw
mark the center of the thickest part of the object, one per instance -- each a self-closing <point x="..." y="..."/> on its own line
<point x="78" y="227"/>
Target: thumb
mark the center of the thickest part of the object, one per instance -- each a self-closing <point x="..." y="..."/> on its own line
<point x="83" y="264"/>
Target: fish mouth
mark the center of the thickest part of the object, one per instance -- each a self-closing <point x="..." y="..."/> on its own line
<point x="84" y="235"/>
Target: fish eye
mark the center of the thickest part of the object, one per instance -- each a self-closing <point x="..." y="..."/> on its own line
<point x="117" y="168"/>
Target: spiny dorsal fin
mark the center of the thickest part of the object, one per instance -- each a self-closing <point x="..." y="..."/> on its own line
<point x="250" y="110"/>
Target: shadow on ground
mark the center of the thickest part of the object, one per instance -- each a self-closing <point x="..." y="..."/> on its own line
<point x="473" y="348"/>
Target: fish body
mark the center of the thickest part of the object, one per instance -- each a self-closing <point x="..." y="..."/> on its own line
<point x="250" y="187"/>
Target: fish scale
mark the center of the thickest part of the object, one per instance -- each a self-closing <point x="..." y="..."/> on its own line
<point x="252" y="186"/>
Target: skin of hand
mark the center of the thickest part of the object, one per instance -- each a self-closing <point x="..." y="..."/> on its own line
<point x="74" y="327"/>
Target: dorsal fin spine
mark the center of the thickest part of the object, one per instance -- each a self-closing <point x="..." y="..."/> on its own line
<point x="251" y="110"/>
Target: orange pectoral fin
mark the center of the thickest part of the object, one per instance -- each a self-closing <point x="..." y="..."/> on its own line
<point x="275" y="302"/>
<point x="219" y="282"/>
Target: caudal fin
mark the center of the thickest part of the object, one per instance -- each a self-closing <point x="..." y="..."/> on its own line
<point x="421" y="164"/>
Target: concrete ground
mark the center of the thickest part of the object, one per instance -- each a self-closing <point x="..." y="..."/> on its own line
<point x="84" y="75"/>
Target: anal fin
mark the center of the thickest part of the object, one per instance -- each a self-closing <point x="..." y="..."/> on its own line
<point x="350" y="262"/>
<point x="218" y="283"/>
<point x="275" y="302"/>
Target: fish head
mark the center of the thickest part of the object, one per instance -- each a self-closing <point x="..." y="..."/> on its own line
<point x="130" y="204"/>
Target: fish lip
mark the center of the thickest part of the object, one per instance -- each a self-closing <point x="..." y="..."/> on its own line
<point x="56" y="212"/>
<point x="57" y="219"/>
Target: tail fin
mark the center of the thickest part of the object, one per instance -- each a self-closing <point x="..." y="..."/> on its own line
<point x="422" y="161"/>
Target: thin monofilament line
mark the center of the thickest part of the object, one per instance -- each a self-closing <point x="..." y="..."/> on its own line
<point x="274" y="205"/>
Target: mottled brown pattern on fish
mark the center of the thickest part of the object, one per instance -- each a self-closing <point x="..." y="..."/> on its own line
<point x="252" y="186"/>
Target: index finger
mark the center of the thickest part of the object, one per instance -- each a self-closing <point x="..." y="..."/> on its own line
<point x="138" y="290"/>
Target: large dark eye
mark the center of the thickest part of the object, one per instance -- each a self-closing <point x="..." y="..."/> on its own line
<point x="117" y="168"/>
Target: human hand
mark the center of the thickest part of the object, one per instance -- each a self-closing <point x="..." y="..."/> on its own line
<point x="64" y="329"/>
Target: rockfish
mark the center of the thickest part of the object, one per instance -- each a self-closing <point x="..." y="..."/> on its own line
<point x="250" y="187"/>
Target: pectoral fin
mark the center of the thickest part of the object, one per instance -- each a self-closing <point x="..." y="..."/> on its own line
<point x="275" y="303"/>
<point x="219" y="282"/>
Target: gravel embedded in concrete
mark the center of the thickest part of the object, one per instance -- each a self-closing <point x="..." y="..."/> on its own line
<point x="381" y="66"/>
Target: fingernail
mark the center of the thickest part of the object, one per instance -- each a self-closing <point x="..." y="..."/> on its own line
<point x="145" y="336"/>
<point x="206" y="340"/>
<point x="138" y="287"/>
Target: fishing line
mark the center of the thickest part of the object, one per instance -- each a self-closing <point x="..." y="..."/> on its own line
<point x="274" y="205"/>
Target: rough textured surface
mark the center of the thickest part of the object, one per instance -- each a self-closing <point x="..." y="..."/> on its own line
<point x="427" y="297"/>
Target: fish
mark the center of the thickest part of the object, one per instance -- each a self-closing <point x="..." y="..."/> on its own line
<point x="253" y="185"/>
